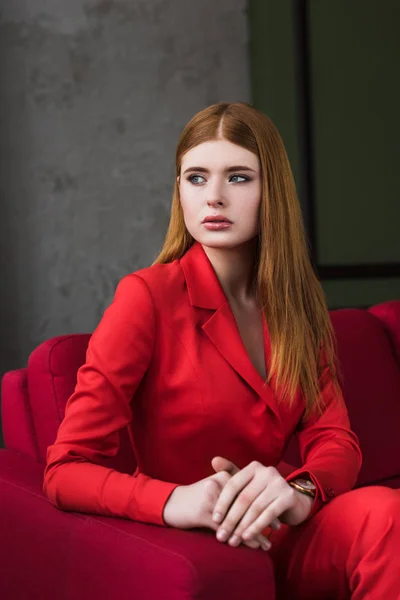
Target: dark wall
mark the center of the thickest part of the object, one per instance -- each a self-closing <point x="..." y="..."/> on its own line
<point x="340" y="61"/>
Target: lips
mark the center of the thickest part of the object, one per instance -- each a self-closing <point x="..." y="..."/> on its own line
<point x="216" y="219"/>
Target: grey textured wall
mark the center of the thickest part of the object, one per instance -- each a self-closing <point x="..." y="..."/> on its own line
<point x="93" y="96"/>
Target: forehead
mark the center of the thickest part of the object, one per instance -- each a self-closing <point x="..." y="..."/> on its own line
<point x="219" y="154"/>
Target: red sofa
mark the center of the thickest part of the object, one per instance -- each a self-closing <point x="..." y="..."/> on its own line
<point x="49" y="554"/>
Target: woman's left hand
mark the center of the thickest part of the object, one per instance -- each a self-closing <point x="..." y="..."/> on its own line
<point x="253" y="499"/>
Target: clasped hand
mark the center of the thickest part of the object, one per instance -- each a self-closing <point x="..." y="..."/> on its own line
<point x="248" y="500"/>
<point x="254" y="498"/>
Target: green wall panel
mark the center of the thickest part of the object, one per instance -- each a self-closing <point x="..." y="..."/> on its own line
<point x="355" y="57"/>
<point x="273" y="70"/>
<point x="361" y="292"/>
<point x="355" y="95"/>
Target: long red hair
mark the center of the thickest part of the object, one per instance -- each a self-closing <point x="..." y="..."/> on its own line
<point x="303" y="344"/>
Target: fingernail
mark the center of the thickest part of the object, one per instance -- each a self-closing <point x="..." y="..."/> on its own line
<point x="266" y="545"/>
<point x="217" y="517"/>
<point x="222" y="535"/>
<point x="234" y="541"/>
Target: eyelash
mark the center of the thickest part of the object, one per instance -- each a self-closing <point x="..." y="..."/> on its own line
<point x="234" y="175"/>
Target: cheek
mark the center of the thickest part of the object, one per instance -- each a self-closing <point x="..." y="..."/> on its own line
<point x="189" y="209"/>
<point x="251" y="216"/>
<point x="253" y="208"/>
<point x="189" y="201"/>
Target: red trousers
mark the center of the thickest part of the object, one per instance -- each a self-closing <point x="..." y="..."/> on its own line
<point x="349" y="549"/>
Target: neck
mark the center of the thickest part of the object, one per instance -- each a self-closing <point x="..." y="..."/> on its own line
<point x="234" y="268"/>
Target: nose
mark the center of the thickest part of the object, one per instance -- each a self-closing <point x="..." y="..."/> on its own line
<point x="215" y="192"/>
<point x="215" y="202"/>
<point x="215" y="196"/>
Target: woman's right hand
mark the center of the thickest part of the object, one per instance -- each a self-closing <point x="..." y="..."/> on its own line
<point x="192" y="506"/>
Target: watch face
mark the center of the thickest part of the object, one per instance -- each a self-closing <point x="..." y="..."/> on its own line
<point x="306" y="484"/>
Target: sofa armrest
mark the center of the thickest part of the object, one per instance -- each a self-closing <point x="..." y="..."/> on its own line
<point x="68" y="555"/>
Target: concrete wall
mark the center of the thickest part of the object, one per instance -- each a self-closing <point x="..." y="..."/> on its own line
<point x="93" y="96"/>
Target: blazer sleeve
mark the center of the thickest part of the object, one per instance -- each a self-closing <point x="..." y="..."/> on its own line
<point x="329" y="449"/>
<point x="117" y="358"/>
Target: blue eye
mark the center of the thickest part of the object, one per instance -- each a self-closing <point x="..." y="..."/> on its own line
<point x="242" y="177"/>
<point x="192" y="177"/>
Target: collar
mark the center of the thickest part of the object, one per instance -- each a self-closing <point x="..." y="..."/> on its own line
<point x="204" y="288"/>
<point x="205" y="292"/>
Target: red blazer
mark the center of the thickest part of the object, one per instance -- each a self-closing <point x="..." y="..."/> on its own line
<point x="167" y="360"/>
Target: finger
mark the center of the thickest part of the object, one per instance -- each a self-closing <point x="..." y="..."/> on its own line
<point x="271" y="495"/>
<point x="251" y="544"/>
<point x="263" y="541"/>
<point x="237" y="538"/>
<point x="230" y="491"/>
<point x="265" y="519"/>
<point x="247" y="506"/>
<point x="276" y="524"/>
<point x="240" y="525"/>
<point x="221" y="478"/>
<point x="223" y="464"/>
<point x="258" y="542"/>
<point x="212" y="489"/>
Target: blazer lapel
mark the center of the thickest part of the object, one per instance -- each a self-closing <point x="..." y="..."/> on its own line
<point x="220" y="326"/>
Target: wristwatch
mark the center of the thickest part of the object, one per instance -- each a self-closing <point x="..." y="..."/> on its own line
<point x="304" y="485"/>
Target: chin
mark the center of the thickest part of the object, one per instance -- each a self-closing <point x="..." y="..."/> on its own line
<point x="221" y="240"/>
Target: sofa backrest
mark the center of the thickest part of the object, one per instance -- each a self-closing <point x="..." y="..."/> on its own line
<point x="369" y="355"/>
<point x="52" y="370"/>
<point x="16" y="414"/>
<point x="52" y="374"/>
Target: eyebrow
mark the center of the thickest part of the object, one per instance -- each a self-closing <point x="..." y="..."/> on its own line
<point x="227" y="170"/>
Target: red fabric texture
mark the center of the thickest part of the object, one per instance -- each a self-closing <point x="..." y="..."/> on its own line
<point x="67" y="555"/>
<point x="180" y="406"/>
<point x="350" y="549"/>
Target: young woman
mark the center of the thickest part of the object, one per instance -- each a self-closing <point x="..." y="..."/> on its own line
<point x="214" y="357"/>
